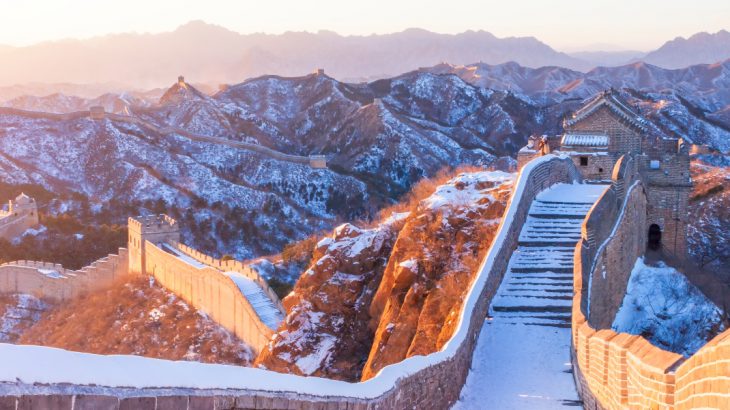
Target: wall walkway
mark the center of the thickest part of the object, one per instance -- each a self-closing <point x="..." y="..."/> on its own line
<point x="523" y="353"/>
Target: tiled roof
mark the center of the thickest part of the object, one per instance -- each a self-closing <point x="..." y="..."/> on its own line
<point x="579" y="140"/>
<point x="616" y="104"/>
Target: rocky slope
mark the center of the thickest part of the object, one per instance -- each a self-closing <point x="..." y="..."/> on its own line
<point x="374" y="296"/>
<point x="709" y="206"/>
<point x="136" y="317"/>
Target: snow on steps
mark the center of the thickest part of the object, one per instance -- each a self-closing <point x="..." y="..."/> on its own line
<point x="539" y="278"/>
<point x="264" y="306"/>
<point x="524" y="349"/>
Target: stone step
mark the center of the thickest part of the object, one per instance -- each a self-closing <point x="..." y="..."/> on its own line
<point x="543" y="283"/>
<point x="536" y="290"/>
<point x="531" y="303"/>
<point x="540" y="269"/>
<point x="517" y="316"/>
<point x="530" y="308"/>
<point x="550" y="275"/>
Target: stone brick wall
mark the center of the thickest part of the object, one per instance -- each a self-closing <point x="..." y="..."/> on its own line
<point x="210" y="291"/>
<point x="613" y="261"/>
<point x="622" y="137"/>
<point x="231" y="265"/>
<point x="24" y="277"/>
<point x="617" y="370"/>
<point x="668" y="188"/>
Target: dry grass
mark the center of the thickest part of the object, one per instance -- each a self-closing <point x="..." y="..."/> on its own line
<point x="422" y="190"/>
<point x="138" y="318"/>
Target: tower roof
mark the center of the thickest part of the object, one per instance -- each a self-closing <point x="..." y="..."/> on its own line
<point x="23" y="199"/>
<point x="614" y="102"/>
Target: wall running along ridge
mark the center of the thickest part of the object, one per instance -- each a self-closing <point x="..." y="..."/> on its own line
<point x="619" y="370"/>
<point x="231" y="266"/>
<point x="207" y="289"/>
<point x="314" y="161"/>
<point x="52" y="281"/>
<point x="432" y="381"/>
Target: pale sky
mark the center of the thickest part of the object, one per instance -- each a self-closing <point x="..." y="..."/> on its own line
<point x="562" y="24"/>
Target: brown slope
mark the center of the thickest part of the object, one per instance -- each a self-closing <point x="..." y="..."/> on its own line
<point x="136" y="317"/>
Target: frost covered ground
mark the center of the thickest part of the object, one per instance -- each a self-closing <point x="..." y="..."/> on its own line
<point x="519" y="367"/>
<point x="663" y="306"/>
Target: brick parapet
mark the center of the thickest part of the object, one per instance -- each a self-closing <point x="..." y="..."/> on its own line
<point x="621" y="371"/>
<point x="231" y="265"/>
<point x="59" y="283"/>
<point x="211" y="292"/>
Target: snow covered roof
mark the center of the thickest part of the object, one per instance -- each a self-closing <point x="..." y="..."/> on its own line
<point x="582" y="140"/>
<point x="616" y="104"/>
<point x="23" y="199"/>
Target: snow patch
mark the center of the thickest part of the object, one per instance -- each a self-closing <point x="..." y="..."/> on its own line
<point x="663" y="306"/>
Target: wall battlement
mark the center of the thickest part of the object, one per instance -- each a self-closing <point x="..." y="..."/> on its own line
<point x="52" y="281"/>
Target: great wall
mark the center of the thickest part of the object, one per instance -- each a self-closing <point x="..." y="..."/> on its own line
<point x="98" y="114"/>
<point x="604" y="184"/>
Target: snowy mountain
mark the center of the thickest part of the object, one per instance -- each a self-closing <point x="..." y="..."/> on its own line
<point x="701" y="48"/>
<point x="691" y="103"/>
<point x="62" y="103"/>
<point x="379" y="139"/>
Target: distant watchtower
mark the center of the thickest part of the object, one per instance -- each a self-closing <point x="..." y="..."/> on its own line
<point x="153" y="228"/>
<point x="180" y="80"/>
<point x="97" y="112"/>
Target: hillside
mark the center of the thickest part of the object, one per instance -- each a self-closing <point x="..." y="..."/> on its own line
<point x="690" y="103"/>
<point x="379" y="139"/>
<point x="136" y="317"/>
<point x="405" y="279"/>
<point x="709" y="237"/>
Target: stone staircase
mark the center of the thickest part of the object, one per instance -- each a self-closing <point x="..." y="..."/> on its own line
<point x="538" y="286"/>
<point x="522" y="357"/>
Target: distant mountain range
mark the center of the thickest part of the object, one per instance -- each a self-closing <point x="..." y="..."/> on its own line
<point x="213" y="54"/>
<point x="701" y="48"/>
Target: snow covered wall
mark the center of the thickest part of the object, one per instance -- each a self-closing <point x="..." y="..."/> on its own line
<point x="432" y="381"/>
<point x="618" y="370"/>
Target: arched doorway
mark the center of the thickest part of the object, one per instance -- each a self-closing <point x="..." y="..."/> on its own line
<point x="655" y="237"/>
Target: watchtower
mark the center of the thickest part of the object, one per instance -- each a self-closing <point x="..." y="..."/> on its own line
<point x="318" y="161"/>
<point x="97" y="112"/>
<point x="154" y="228"/>
<point x="608" y="127"/>
<point x="180" y="80"/>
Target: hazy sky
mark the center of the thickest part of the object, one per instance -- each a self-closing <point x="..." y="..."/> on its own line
<point x="563" y="24"/>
